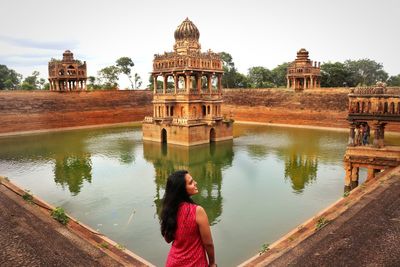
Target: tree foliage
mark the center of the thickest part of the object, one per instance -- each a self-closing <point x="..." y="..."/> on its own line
<point x="394" y="80"/>
<point x="365" y="72"/>
<point x="9" y="79"/>
<point x="260" y="77"/>
<point x="231" y="78"/>
<point x="279" y="74"/>
<point x="125" y="64"/>
<point x="138" y="81"/>
<point x="335" y="75"/>
<point x="33" y="82"/>
<point x="108" y="77"/>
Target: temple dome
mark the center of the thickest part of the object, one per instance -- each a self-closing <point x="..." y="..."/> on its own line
<point x="187" y="30"/>
<point x="302" y="54"/>
<point x="68" y="56"/>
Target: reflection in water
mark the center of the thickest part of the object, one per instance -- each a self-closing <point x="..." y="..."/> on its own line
<point x="72" y="170"/>
<point x="301" y="170"/>
<point x="299" y="149"/>
<point x="71" y="152"/>
<point x="205" y="163"/>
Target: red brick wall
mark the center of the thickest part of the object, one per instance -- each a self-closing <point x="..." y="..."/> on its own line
<point x="38" y="110"/>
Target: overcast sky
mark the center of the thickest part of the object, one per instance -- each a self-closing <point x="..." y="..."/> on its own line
<point x="255" y="32"/>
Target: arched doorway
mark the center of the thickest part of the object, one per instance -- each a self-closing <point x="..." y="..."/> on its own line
<point x="163" y="136"/>
<point x="212" y="135"/>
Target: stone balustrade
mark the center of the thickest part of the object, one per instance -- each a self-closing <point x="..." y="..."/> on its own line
<point x="148" y="119"/>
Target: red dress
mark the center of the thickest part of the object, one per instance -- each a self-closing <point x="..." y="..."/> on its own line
<point x="187" y="248"/>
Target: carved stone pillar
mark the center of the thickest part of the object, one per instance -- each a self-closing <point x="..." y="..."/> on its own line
<point x="155" y="84"/>
<point x="176" y="80"/>
<point x="165" y="82"/>
<point x="209" y="83"/>
<point x="371" y="173"/>
<point x="198" y="83"/>
<point x="219" y="83"/>
<point x="379" y="134"/>
<point x="187" y="82"/>
<point x="347" y="178"/>
<point x="376" y="127"/>
<point x="382" y="135"/>
<point x="354" y="177"/>
<point x="287" y="83"/>
<point x="352" y="134"/>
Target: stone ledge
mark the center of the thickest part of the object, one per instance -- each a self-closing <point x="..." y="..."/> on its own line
<point x="108" y="246"/>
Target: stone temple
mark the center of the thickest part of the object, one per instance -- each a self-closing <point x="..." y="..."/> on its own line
<point x="187" y="94"/>
<point x="303" y="73"/>
<point x="67" y="74"/>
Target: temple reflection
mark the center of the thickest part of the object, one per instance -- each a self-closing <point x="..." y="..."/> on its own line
<point x="71" y="153"/>
<point x="204" y="162"/>
<point x="301" y="169"/>
<point x="72" y="170"/>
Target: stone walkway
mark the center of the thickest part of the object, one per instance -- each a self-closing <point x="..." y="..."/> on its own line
<point x="29" y="237"/>
<point x="367" y="234"/>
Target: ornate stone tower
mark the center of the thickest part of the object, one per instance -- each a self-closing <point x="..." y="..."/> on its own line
<point x="67" y="74"/>
<point x="187" y="94"/>
<point x="303" y="73"/>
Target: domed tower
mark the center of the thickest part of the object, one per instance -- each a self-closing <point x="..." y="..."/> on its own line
<point x="303" y="73"/>
<point x="187" y="92"/>
<point x="68" y="56"/>
<point x="67" y="74"/>
<point x="187" y="38"/>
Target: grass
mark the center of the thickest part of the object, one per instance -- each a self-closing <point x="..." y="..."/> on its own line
<point x="120" y="247"/>
<point x="264" y="248"/>
<point x="27" y="196"/>
<point x="59" y="215"/>
<point x="103" y="245"/>
<point x="321" y="222"/>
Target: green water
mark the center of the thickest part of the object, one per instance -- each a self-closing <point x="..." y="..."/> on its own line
<point x="255" y="188"/>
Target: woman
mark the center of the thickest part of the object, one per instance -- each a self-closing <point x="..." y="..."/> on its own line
<point x="185" y="224"/>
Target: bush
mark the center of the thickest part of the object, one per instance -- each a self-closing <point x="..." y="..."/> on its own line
<point x="59" y="215"/>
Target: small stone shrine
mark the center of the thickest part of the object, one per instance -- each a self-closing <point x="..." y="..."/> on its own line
<point x="303" y="73"/>
<point x="67" y="74"/>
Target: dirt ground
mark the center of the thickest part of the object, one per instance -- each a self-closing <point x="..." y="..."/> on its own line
<point x="29" y="237"/>
<point x="368" y="234"/>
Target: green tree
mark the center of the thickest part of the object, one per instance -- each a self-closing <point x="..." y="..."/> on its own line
<point x="260" y="77"/>
<point x="125" y="64"/>
<point x="108" y="77"/>
<point x="9" y="79"/>
<point x="151" y="85"/>
<point x="335" y="75"/>
<point x="231" y="78"/>
<point x="93" y="84"/>
<point x="394" y="80"/>
<point x="138" y="81"/>
<point x="279" y="74"/>
<point x="32" y="82"/>
<point x="365" y="72"/>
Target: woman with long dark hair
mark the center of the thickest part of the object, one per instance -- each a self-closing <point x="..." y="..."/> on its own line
<point x="185" y="224"/>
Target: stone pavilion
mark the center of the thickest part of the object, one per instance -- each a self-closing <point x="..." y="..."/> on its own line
<point x="303" y="73"/>
<point x="187" y="94"/>
<point x="67" y="74"/>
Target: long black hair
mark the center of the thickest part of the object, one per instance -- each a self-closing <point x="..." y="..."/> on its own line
<point x="175" y="193"/>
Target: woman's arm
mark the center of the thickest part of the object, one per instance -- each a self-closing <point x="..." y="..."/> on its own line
<point x="205" y="233"/>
